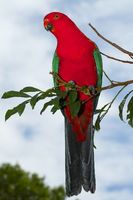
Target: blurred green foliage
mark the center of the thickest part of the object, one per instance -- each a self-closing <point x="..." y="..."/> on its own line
<point x="16" y="184"/>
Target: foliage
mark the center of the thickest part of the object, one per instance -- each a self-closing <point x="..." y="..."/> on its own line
<point x="129" y="116"/>
<point x="105" y="109"/>
<point x="58" y="99"/>
<point x="16" y="184"/>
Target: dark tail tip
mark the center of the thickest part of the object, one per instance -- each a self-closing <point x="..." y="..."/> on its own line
<point x="90" y="187"/>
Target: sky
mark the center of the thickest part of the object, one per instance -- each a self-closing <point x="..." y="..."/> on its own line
<point x="37" y="142"/>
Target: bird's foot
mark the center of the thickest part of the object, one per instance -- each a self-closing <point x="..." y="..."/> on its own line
<point x="92" y="90"/>
<point x="71" y="84"/>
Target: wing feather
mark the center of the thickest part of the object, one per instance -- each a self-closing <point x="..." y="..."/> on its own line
<point x="55" y="65"/>
<point x="99" y="67"/>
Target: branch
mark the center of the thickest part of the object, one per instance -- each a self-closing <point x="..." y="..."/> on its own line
<point x="108" y="77"/>
<point x="112" y="43"/>
<point x="113" y="58"/>
<point x="98" y="90"/>
<point x="118" y="84"/>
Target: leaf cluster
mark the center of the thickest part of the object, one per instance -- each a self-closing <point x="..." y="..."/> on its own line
<point x="55" y="98"/>
<point x="58" y="99"/>
<point x="101" y="113"/>
<point x="17" y="184"/>
<point x="129" y="110"/>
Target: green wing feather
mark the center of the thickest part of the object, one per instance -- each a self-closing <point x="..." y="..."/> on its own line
<point x="99" y="66"/>
<point x="55" y="65"/>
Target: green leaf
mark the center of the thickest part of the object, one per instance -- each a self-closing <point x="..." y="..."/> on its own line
<point x="45" y="106"/>
<point x="18" y="109"/>
<point x="54" y="109"/>
<point x="45" y="95"/>
<point x="34" y="100"/>
<point x="122" y="104"/>
<point x="63" y="103"/>
<point x="53" y="102"/>
<point x="48" y="93"/>
<point x="21" y="107"/>
<point x="97" y="123"/>
<point x="130" y="112"/>
<point x="101" y="113"/>
<point x="9" y="113"/>
<point x="30" y="89"/>
<point x="75" y="108"/>
<point x="98" y="111"/>
<point x="38" y="97"/>
<point x="11" y="94"/>
<point x="61" y="94"/>
<point x="72" y="96"/>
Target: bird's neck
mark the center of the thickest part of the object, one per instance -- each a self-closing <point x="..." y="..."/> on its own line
<point x="72" y="43"/>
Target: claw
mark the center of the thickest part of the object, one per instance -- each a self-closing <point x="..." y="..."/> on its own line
<point x="92" y="89"/>
<point x="72" y="82"/>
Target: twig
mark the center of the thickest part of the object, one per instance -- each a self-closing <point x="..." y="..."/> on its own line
<point x="113" y="58"/>
<point x="112" y="43"/>
<point x="124" y="83"/>
<point x="111" y="103"/>
<point x="98" y="90"/>
<point x="61" y="82"/>
<point x="107" y="77"/>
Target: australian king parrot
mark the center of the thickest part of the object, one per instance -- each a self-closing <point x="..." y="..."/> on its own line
<point x="77" y="59"/>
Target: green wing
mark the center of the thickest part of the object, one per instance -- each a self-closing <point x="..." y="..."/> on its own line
<point x="99" y="66"/>
<point x="55" y="65"/>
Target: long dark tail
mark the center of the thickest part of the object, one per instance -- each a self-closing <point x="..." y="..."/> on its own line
<point x="79" y="162"/>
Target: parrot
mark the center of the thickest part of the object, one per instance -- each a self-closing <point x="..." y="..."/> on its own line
<point x="77" y="59"/>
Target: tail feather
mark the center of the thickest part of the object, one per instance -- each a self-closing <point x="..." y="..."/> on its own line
<point x="72" y="162"/>
<point x="79" y="162"/>
<point x="88" y="168"/>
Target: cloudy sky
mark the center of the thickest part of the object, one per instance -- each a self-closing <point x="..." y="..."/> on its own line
<point x="26" y="49"/>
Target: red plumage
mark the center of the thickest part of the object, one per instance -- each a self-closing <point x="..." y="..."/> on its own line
<point x="76" y="63"/>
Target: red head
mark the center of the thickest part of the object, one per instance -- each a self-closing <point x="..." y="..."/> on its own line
<point x="58" y="23"/>
<point x="69" y="37"/>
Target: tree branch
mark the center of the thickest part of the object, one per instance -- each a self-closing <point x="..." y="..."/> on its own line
<point x="112" y="43"/>
<point x="118" y="84"/>
<point x="113" y="58"/>
<point x="98" y="90"/>
<point x="108" y="77"/>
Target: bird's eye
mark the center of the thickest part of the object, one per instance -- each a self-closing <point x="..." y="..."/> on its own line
<point x="56" y="16"/>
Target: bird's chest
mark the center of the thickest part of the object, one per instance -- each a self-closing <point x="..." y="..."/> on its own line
<point x="77" y="63"/>
<point x="70" y="51"/>
<point x="82" y="70"/>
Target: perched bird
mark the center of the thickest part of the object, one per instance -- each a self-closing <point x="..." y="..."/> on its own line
<point x="77" y="59"/>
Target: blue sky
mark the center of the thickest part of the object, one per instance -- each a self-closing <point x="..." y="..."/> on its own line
<point x="37" y="142"/>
